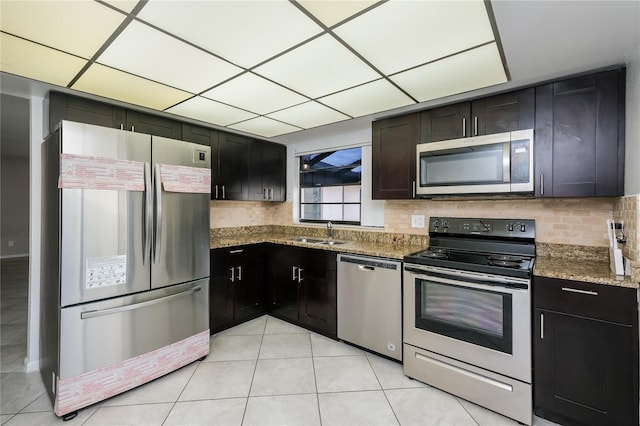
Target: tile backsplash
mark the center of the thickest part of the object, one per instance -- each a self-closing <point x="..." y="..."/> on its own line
<point x="573" y="221"/>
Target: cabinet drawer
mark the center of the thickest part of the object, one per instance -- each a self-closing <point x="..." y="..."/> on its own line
<point x="247" y="253"/>
<point x="597" y="301"/>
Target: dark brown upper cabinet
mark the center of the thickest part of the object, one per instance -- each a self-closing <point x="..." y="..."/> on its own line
<point x="83" y="110"/>
<point x="155" y="125"/>
<point x="579" y="136"/>
<point x="495" y="114"/>
<point x="393" y="155"/>
<point x="267" y="171"/>
<point x="231" y="182"/>
<point x="201" y="135"/>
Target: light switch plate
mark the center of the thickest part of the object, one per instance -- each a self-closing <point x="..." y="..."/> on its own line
<point x="417" y="221"/>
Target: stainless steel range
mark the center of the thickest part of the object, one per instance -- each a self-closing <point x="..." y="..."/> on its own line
<point x="467" y="312"/>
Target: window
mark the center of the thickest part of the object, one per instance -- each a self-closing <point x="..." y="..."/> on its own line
<point x="330" y="186"/>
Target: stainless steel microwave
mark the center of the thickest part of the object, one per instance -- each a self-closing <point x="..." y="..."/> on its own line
<point x="501" y="163"/>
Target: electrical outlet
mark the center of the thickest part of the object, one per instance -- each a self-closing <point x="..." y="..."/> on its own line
<point x="417" y="221"/>
<point x="10" y="243"/>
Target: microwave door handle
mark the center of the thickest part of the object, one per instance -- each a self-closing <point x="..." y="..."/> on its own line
<point x="506" y="160"/>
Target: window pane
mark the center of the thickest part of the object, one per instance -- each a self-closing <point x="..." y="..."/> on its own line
<point x="332" y="212"/>
<point x="332" y="194"/>
<point x="331" y="159"/>
<point x="311" y="212"/>
<point x="311" y="195"/>
<point x="352" y="213"/>
<point x="331" y="168"/>
<point x="352" y="194"/>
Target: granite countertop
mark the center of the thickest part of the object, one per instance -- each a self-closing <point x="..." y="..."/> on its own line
<point x="577" y="263"/>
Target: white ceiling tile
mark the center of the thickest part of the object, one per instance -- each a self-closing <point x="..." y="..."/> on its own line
<point x="474" y="69"/>
<point x="245" y="32"/>
<point x="209" y="111"/>
<point x="369" y="98"/>
<point x="307" y="115"/>
<point x="401" y="34"/>
<point x="114" y="84"/>
<point x="124" y="5"/>
<point x="332" y="12"/>
<point x="318" y="68"/>
<point x="26" y="59"/>
<point x="264" y="126"/>
<point x="77" y="27"/>
<point x="255" y="94"/>
<point x="146" y="52"/>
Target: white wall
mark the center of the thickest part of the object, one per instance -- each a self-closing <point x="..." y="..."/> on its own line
<point x="632" y="124"/>
<point x="14" y="201"/>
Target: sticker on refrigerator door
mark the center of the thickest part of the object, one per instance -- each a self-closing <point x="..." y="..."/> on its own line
<point x="106" y="271"/>
<point x="185" y="179"/>
<point x="85" y="172"/>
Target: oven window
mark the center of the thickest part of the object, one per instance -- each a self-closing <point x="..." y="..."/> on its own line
<point x="476" y="316"/>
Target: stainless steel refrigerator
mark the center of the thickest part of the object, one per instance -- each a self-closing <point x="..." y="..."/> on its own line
<point x="125" y="261"/>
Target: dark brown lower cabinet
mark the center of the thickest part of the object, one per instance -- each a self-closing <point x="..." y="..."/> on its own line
<point x="236" y="286"/>
<point x="585" y="353"/>
<point x="302" y="287"/>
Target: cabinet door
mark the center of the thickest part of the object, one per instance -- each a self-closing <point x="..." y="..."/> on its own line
<point x="149" y="124"/>
<point x="317" y="301"/>
<point x="221" y="290"/>
<point x="233" y="160"/>
<point x="579" y="139"/>
<point x="199" y="135"/>
<point x="82" y="110"/>
<point x="282" y="266"/>
<point x="584" y="370"/>
<point x="447" y="122"/>
<point x="394" y="143"/>
<point x="248" y="298"/>
<point x="503" y="113"/>
<point x="267" y="171"/>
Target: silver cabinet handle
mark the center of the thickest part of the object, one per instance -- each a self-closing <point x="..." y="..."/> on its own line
<point x="265" y="193"/>
<point x="413" y="186"/>
<point x="240" y="273"/>
<point x="271" y="193"/>
<point x="121" y="126"/>
<point x="300" y="270"/>
<point x="541" y="184"/>
<point x="475" y="125"/>
<point x="464" y="127"/>
<point x="216" y="192"/>
<point x="576" y="290"/>
<point x="223" y="195"/>
<point x="133" y="128"/>
<point x="233" y="274"/>
<point x="541" y="326"/>
<point x="294" y="276"/>
<point x="235" y="251"/>
<point x="109" y="311"/>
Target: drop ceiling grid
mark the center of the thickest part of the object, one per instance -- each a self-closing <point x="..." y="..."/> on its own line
<point x="271" y="68"/>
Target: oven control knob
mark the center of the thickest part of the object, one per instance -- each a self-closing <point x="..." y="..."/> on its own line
<point x="436" y="224"/>
<point x="445" y="224"/>
<point x="523" y="227"/>
<point x="510" y="227"/>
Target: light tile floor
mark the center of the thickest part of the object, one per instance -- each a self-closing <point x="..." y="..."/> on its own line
<point x="263" y="372"/>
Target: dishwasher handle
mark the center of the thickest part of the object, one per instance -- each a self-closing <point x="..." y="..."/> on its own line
<point x="369" y="264"/>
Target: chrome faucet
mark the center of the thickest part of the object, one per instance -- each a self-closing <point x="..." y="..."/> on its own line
<point x="329" y="230"/>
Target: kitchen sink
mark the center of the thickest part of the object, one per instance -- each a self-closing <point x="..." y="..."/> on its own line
<point x="316" y="241"/>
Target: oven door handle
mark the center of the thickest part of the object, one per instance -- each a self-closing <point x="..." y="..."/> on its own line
<point x="454" y="277"/>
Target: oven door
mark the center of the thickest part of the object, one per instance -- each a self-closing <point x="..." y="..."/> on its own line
<point x="476" y="318"/>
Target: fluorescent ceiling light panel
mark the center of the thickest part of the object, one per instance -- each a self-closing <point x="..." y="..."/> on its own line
<point x="264" y="126"/>
<point x="369" y="98"/>
<point x="309" y="114"/>
<point x="146" y="52"/>
<point x="332" y="12"/>
<point x="77" y="27"/>
<point x="318" y="68"/>
<point x="124" y="5"/>
<point x="474" y="69"/>
<point x="209" y="111"/>
<point x="31" y="60"/>
<point x="114" y="84"/>
<point x="244" y="32"/>
<point x="398" y="35"/>
<point x="255" y="94"/>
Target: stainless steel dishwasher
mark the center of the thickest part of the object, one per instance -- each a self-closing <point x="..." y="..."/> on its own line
<point x="370" y="303"/>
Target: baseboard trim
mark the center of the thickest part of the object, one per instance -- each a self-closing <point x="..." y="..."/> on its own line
<point x="31" y="366"/>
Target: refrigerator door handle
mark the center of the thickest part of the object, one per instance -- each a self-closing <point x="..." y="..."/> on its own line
<point x="109" y="311"/>
<point x="147" y="219"/>
<point x="157" y="235"/>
